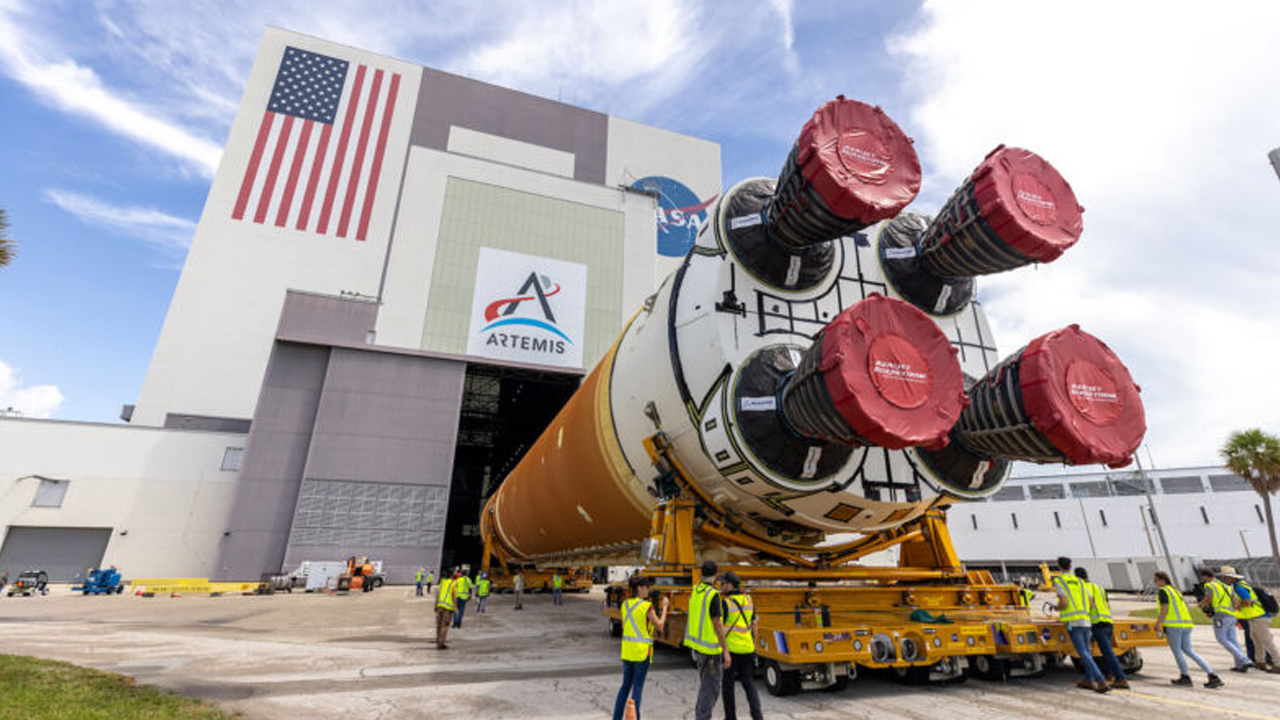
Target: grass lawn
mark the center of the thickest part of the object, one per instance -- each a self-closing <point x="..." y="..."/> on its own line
<point x="1197" y="616"/>
<point x="50" y="690"/>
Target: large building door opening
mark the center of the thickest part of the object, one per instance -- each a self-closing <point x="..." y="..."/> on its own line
<point x="504" y="410"/>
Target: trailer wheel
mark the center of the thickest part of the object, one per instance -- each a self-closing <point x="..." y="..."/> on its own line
<point x="1131" y="661"/>
<point x="911" y="675"/>
<point x="779" y="682"/>
<point x="987" y="667"/>
<point x="615" y="628"/>
<point x="840" y="685"/>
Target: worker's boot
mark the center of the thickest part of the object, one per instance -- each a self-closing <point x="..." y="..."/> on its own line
<point x="1120" y="684"/>
<point x="1214" y="682"/>
<point x="1185" y="680"/>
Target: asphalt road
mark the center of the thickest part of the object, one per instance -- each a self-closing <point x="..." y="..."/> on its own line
<point x="372" y="656"/>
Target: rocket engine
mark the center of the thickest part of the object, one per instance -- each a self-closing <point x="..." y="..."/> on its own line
<point x="819" y="364"/>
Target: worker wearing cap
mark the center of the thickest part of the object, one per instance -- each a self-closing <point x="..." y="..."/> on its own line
<point x="446" y="603"/>
<point x="1253" y="617"/>
<point x="1175" y="622"/>
<point x="557" y="589"/>
<point x="740" y="638"/>
<point x="639" y="622"/>
<point x="1073" y="609"/>
<point x="704" y="634"/>
<point x="417" y="582"/>
<point x="1102" y="630"/>
<point x="1217" y="600"/>
<point x="482" y="592"/>
<point x="463" y="592"/>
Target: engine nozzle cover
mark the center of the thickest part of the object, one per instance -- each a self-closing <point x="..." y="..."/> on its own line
<point x="1079" y="395"/>
<point x="881" y="373"/>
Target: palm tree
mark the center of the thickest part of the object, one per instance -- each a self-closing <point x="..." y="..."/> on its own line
<point x="1255" y="456"/>
<point x="6" y="245"/>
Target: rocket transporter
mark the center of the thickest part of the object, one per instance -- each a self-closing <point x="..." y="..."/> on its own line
<point x="817" y="382"/>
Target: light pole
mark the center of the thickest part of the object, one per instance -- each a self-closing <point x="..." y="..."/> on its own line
<point x="1155" y="517"/>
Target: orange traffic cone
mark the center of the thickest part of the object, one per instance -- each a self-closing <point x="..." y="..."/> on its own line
<point x="630" y="713"/>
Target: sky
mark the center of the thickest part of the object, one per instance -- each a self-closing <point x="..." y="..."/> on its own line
<point x="113" y="114"/>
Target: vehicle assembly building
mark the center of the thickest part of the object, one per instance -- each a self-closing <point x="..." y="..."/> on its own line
<point x="398" y="278"/>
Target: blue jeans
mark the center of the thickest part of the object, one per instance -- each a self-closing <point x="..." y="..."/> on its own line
<point x="556" y="598"/>
<point x="419" y="588"/>
<point x="633" y="674"/>
<point x="1179" y="640"/>
<point x="462" y="608"/>
<point x="1224" y="631"/>
<point x="1104" y="635"/>
<point x="1081" y="638"/>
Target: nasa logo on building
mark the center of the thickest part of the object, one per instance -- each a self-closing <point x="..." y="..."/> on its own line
<point x="528" y="309"/>
<point x="680" y="213"/>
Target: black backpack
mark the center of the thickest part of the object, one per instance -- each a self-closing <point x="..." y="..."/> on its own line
<point x="1268" y="600"/>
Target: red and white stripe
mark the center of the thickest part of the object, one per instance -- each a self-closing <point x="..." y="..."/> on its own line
<point x="321" y="178"/>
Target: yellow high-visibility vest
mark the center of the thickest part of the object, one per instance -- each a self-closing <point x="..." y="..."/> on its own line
<point x="1027" y="596"/>
<point x="700" y="631"/>
<point x="1099" y="607"/>
<point x="1253" y="608"/>
<point x="446" y="596"/>
<point x="737" y="624"/>
<point x="482" y="587"/>
<point x="557" y="582"/>
<point x="464" y="587"/>
<point x="1178" y="616"/>
<point x="1073" y="588"/>
<point x="418" y="576"/>
<point x="637" y="637"/>
<point x="1221" y="598"/>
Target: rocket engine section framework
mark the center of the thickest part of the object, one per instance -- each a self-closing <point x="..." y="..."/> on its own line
<point x="809" y="359"/>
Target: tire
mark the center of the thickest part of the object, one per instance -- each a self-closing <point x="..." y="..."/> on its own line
<point x="841" y="684"/>
<point x="119" y="589"/>
<point x="779" y="682"/>
<point x="986" y="667"/>
<point x="912" y="675"/>
<point x="615" y="628"/>
<point x="1131" y="662"/>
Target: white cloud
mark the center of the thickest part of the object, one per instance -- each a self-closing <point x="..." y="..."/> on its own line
<point x="1160" y="121"/>
<point x="148" y="224"/>
<point x="77" y="89"/>
<point x="38" y="401"/>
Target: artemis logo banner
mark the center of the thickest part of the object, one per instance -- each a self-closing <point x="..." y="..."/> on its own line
<point x="528" y="309"/>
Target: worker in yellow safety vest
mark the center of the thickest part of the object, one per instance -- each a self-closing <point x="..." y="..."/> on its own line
<point x="704" y="633"/>
<point x="740" y="638"/>
<point x="482" y="592"/>
<point x="1073" y="609"/>
<point x="463" y="591"/>
<point x="557" y="589"/>
<point x="1217" y="601"/>
<point x="639" y="623"/>
<point x="417" y="581"/>
<point x="1176" y="623"/>
<point x="1253" y="618"/>
<point x="1026" y="595"/>
<point x="431" y="580"/>
<point x="1103" y="631"/>
<point x="446" y="604"/>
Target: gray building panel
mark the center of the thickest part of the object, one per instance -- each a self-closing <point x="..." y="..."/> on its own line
<point x="326" y="319"/>
<point x="209" y="423"/>
<point x="64" y="553"/>
<point x="266" y="491"/>
<point x="446" y="100"/>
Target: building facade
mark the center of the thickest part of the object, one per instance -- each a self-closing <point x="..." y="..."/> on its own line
<point x="398" y="276"/>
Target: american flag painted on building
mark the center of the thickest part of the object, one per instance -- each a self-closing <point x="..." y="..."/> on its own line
<point x="319" y="147"/>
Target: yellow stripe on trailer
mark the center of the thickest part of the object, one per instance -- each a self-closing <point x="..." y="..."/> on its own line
<point x="195" y="586"/>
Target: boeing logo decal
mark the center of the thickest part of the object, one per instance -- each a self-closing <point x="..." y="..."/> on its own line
<point x="680" y="213"/>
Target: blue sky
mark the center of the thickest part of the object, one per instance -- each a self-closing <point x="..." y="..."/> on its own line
<point x="114" y="113"/>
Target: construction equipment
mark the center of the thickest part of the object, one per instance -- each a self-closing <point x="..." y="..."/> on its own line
<point x="361" y="574"/>
<point x="576" y="579"/>
<point x="817" y="383"/>
<point x="101" y="581"/>
<point x="30" y="584"/>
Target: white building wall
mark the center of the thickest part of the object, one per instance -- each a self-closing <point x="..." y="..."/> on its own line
<point x="161" y="492"/>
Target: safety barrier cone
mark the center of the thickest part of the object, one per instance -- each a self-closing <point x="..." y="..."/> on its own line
<point x="630" y="713"/>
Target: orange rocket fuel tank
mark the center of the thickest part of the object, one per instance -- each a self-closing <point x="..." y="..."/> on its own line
<point x="568" y="491"/>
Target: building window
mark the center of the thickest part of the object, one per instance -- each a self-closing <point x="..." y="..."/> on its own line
<point x="1056" y="491"/>
<point x="50" y="493"/>
<point x="1090" y="489"/>
<point x="1258" y="509"/>
<point x="1103" y="514"/>
<point x="1057" y="521"/>
<point x="1009" y="492"/>
<point x="1128" y="484"/>
<point x="1228" y="483"/>
<point x="1204" y="515"/>
<point x="231" y="459"/>
<point x="1015" y="520"/>
<point x="1181" y="485"/>
<point x="974" y="519"/>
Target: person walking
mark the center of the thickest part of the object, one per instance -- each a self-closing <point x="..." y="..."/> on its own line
<point x="639" y="622"/>
<point x="1217" y="600"/>
<point x="1175" y="622"/>
<point x="1103" y="631"/>
<point x="462" y="592"/>
<point x="557" y="589"/>
<point x="482" y="592"/>
<point x="417" y="581"/>
<point x="431" y="579"/>
<point x="1253" y="617"/>
<point x="740" y="639"/>
<point x="517" y="586"/>
<point x="446" y="603"/>
<point x="704" y="634"/>
<point x="1073" y="609"/>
